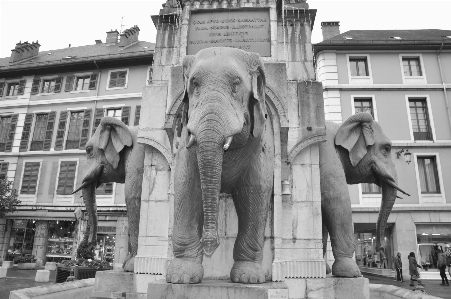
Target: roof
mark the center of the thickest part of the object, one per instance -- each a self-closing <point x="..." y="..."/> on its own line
<point x="387" y="39"/>
<point x="81" y="54"/>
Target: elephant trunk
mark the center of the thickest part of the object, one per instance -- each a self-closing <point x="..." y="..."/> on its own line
<point x="210" y="155"/>
<point x="388" y="200"/>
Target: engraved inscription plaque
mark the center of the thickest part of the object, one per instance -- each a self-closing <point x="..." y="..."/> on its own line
<point x="242" y="29"/>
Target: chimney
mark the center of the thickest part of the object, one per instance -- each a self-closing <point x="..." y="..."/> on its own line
<point x="24" y="50"/>
<point x="111" y="36"/>
<point x="129" y="36"/>
<point x="330" y="29"/>
<point x="98" y="41"/>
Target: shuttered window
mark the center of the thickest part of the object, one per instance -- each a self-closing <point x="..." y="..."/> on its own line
<point x="40" y="127"/>
<point x="105" y="189"/>
<point x="26" y="132"/>
<point x="82" y="83"/>
<point x="137" y="115"/>
<point x="117" y="79"/>
<point x="30" y="178"/>
<point x="93" y="82"/>
<point x="75" y="127"/>
<point x="13" y="89"/>
<point x="125" y="115"/>
<point x="3" y="170"/>
<point x="116" y="113"/>
<point x="66" y="178"/>
<point x="98" y="118"/>
<point x="2" y="88"/>
<point x="21" y="90"/>
<point x="61" y="131"/>
<point x="5" y="123"/>
<point x="48" y="86"/>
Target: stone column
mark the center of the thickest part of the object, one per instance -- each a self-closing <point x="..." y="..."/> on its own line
<point x="121" y="244"/>
<point x="404" y="239"/>
<point x="5" y="234"/>
<point x="40" y="242"/>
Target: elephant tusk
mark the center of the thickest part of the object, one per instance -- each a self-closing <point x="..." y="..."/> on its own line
<point x="82" y="186"/>
<point x="398" y="197"/>
<point x="191" y="141"/>
<point x="228" y="142"/>
<point x="392" y="184"/>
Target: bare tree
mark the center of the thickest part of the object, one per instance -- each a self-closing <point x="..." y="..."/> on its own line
<point x="8" y="198"/>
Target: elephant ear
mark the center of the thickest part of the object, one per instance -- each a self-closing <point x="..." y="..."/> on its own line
<point x="355" y="135"/>
<point x="114" y="135"/>
<point x="257" y="103"/>
<point x="187" y="62"/>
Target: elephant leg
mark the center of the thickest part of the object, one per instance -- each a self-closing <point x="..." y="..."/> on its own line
<point x="133" y="203"/>
<point x="325" y="236"/>
<point x="186" y="267"/>
<point x="251" y="199"/>
<point x="337" y="217"/>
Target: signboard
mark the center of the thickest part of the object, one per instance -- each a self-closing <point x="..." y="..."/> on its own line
<point x="245" y="29"/>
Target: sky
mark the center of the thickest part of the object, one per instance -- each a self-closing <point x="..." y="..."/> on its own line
<point x="56" y="24"/>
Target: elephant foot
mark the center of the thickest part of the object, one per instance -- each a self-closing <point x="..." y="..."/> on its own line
<point x="129" y="264"/>
<point x="328" y="269"/>
<point x="247" y="272"/>
<point x="184" y="271"/>
<point x="345" y="267"/>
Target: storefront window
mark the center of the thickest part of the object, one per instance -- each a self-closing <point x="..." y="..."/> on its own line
<point x="432" y="239"/>
<point x="105" y="248"/>
<point x="22" y="238"/>
<point x="366" y="254"/>
<point x="60" y="240"/>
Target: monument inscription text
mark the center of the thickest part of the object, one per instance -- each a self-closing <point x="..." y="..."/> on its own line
<point x="246" y="30"/>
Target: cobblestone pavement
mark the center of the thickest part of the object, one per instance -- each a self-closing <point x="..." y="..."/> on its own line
<point x="20" y="279"/>
<point x="432" y="287"/>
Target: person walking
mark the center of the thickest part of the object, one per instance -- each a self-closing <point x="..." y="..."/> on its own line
<point x="441" y="265"/>
<point x="413" y="270"/>
<point x="398" y="267"/>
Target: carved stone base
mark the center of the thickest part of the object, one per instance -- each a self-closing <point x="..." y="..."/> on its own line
<point x="298" y="269"/>
<point x="150" y="265"/>
<point x="216" y="289"/>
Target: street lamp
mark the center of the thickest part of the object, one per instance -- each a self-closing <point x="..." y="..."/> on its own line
<point x="407" y="155"/>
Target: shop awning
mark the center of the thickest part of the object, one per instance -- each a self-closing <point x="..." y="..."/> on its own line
<point x="41" y="215"/>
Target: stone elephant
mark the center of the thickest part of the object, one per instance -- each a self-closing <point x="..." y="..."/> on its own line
<point x="356" y="152"/>
<point x="114" y="155"/>
<point x="226" y="146"/>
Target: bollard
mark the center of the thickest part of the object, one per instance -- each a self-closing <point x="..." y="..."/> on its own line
<point x="42" y="276"/>
<point x="3" y="272"/>
<point x="8" y="264"/>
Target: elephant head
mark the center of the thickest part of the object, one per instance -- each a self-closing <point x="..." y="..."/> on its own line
<point x="104" y="155"/>
<point x="365" y="152"/>
<point x="223" y="109"/>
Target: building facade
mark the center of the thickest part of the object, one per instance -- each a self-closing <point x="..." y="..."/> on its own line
<point x="51" y="103"/>
<point x="403" y="78"/>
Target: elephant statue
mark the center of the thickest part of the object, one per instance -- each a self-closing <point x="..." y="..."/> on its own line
<point x="114" y="155"/>
<point x="226" y="146"/>
<point x="356" y="152"/>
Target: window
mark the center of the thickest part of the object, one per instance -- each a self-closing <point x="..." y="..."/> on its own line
<point x="411" y="66"/>
<point x="30" y="178"/>
<point x="364" y="105"/>
<point x="37" y="143"/>
<point x="82" y="83"/>
<point x="429" y="180"/>
<point x="359" y="66"/>
<point x="48" y="86"/>
<point x="116" y="113"/>
<point x="3" y="170"/>
<point x="105" y="189"/>
<point x="13" y="89"/>
<point x="75" y="127"/>
<point x="117" y="79"/>
<point x="4" y="131"/>
<point x="137" y="115"/>
<point x="66" y="179"/>
<point x="420" y="119"/>
<point x="371" y="189"/>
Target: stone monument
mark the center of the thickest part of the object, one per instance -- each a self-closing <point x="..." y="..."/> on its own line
<point x="290" y="110"/>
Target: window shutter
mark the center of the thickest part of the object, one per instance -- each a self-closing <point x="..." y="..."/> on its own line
<point x="49" y="131"/>
<point x="93" y="82"/>
<point x="125" y="116"/>
<point x="69" y="83"/>
<point x="98" y="118"/>
<point x="11" y="132"/>
<point x="121" y="79"/>
<point x="113" y="80"/>
<point x="61" y="131"/>
<point x="58" y="84"/>
<point x="85" y="129"/>
<point x="26" y="132"/>
<point x="35" y="86"/>
<point x="3" y="170"/>
<point x="21" y="89"/>
<point x="137" y="115"/>
<point x="2" y="88"/>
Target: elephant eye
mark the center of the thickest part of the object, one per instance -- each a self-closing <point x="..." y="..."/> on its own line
<point x="89" y="151"/>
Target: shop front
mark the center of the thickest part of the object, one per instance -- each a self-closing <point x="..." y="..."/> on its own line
<point x="432" y="238"/>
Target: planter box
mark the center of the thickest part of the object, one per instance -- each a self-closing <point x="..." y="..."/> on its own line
<point x="62" y="273"/>
<point x="26" y="266"/>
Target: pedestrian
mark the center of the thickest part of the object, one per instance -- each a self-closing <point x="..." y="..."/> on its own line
<point x="398" y="267"/>
<point x="448" y="260"/>
<point x="441" y="265"/>
<point x="413" y="271"/>
<point x="383" y="258"/>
